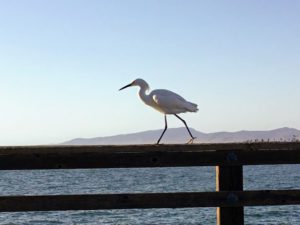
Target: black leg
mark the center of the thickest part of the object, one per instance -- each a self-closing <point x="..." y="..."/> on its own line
<point x="166" y="127"/>
<point x="191" y="141"/>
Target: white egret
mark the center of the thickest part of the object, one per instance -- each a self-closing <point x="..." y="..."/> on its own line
<point x="165" y="101"/>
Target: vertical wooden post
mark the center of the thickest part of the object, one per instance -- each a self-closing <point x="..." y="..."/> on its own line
<point x="229" y="178"/>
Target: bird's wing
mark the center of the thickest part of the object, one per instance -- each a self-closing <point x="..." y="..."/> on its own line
<point x="169" y="101"/>
<point x="172" y="103"/>
<point x="167" y="93"/>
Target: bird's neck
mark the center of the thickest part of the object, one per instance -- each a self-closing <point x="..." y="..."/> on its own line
<point x="143" y="95"/>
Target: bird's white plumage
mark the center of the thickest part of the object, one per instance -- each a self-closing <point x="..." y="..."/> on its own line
<point x="165" y="101"/>
<point x="169" y="102"/>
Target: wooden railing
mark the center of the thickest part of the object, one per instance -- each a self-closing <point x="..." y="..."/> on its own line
<point x="229" y="159"/>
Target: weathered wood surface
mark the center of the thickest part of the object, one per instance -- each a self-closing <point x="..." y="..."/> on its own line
<point x="230" y="178"/>
<point x="148" y="200"/>
<point x="71" y="157"/>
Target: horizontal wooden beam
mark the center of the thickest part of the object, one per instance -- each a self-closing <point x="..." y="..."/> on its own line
<point x="72" y="157"/>
<point x="149" y="200"/>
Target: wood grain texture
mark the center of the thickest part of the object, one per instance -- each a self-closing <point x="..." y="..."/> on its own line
<point x="72" y="157"/>
<point x="148" y="200"/>
<point x="230" y="178"/>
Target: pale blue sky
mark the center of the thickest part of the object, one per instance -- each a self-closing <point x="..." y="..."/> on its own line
<point x="63" y="61"/>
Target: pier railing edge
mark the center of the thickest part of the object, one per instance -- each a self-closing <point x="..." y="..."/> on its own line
<point x="229" y="159"/>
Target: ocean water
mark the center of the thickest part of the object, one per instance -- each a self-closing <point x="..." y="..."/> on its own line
<point x="95" y="181"/>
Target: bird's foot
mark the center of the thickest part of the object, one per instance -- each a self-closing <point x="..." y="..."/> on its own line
<point x="191" y="141"/>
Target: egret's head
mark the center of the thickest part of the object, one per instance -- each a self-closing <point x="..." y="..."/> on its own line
<point x="138" y="82"/>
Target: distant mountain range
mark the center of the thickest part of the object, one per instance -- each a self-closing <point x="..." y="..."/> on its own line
<point x="180" y="135"/>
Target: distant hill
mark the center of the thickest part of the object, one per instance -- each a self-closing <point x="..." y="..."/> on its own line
<point x="180" y="135"/>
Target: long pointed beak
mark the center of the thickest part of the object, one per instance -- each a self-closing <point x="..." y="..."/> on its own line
<point x="128" y="85"/>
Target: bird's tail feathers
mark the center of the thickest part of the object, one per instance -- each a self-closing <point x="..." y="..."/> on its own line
<point x="192" y="107"/>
